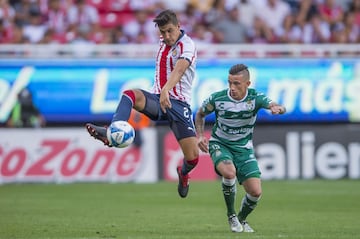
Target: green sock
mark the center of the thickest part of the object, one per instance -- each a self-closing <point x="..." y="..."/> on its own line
<point x="229" y="196"/>
<point x="247" y="206"/>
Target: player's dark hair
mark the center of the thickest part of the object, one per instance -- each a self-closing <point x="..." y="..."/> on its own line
<point x="166" y="17"/>
<point x="240" y="69"/>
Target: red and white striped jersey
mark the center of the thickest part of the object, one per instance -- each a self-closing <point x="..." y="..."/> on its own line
<point x="166" y="59"/>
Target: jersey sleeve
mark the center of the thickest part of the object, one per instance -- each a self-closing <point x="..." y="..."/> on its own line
<point x="189" y="51"/>
<point x="263" y="101"/>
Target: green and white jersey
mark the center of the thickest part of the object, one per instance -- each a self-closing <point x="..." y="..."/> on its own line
<point x="234" y="119"/>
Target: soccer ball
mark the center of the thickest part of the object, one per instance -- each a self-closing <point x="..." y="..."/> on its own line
<point x="120" y="134"/>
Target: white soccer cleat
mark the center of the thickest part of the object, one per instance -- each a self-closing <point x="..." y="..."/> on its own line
<point x="234" y="223"/>
<point x="246" y="227"/>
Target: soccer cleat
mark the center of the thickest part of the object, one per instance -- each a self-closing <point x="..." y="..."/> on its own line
<point x="183" y="186"/>
<point x="98" y="133"/>
<point x="234" y="223"/>
<point x="246" y="226"/>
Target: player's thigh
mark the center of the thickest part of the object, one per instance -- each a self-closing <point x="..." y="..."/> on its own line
<point x="221" y="157"/>
<point x="151" y="106"/>
<point x="140" y="99"/>
<point x="246" y="165"/>
<point x="189" y="147"/>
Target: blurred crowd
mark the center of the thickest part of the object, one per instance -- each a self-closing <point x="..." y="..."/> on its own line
<point x="207" y="21"/>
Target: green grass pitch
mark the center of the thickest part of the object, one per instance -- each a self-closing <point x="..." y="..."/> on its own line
<point x="312" y="209"/>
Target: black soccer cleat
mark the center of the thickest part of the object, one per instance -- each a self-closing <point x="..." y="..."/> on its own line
<point x="183" y="186"/>
<point x="98" y="132"/>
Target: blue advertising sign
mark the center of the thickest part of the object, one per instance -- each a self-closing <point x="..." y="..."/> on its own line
<point x="76" y="91"/>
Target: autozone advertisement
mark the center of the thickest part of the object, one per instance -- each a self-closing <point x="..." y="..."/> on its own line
<point x="329" y="151"/>
<point x="71" y="155"/>
<point x="68" y="155"/>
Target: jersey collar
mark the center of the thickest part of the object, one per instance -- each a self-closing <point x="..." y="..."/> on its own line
<point x="247" y="92"/>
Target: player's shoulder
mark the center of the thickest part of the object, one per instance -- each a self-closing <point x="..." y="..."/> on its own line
<point x="219" y="94"/>
<point x="254" y="92"/>
<point x="187" y="40"/>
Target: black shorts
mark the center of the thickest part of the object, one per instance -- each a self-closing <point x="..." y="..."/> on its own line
<point x="179" y="116"/>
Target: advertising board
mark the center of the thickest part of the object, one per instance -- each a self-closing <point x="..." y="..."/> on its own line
<point x="78" y="91"/>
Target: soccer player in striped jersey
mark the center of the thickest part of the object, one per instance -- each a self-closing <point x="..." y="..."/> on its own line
<point x="230" y="145"/>
<point x="171" y="96"/>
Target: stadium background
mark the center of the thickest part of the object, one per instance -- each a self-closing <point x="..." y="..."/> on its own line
<point x="77" y="83"/>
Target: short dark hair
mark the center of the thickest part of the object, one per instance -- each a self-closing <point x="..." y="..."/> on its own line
<point x="240" y="69"/>
<point x="166" y="17"/>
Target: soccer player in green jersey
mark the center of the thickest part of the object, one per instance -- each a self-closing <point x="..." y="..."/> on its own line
<point x="230" y="145"/>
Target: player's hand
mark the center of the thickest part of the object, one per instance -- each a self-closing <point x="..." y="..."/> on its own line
<point x="277" y="109"/>
<point x="203" y="144"/>
<point x="165" y="101"/>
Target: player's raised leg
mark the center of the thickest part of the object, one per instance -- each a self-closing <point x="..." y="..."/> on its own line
<point x="129" y="99"/>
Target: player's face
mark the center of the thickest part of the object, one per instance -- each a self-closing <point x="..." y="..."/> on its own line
<point x="238" y="86"/>
<point x="170" y="33"/>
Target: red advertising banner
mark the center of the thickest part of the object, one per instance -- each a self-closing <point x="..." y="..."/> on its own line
<point x="71" y="155"/>
<point x="173" y="156"/>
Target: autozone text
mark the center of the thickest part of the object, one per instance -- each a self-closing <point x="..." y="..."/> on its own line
<point x="60" y="162"/>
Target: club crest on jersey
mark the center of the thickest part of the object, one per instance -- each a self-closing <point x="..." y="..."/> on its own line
<point x="250" y="105"/>
<point x="174" y="53"/>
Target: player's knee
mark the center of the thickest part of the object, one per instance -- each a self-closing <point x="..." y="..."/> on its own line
<point x="256" y="193"/>
<point x="131" y="95"/>
<point x="137" y="97"/>
<point x="190" y="150"/>
<point x="229" y="174"/>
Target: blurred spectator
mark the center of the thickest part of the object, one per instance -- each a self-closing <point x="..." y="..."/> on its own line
<point x="48" y="38"/>
<point x="230" y="30"/>
<point x="331" y="12"/>
<point x="313" y="30"/>
<point x="6" y="33"/>
<point x="18" y="36"/>
<point x="266" y="21"/>
<point x="7" y="13"/>
<point x="141" y="28"/>
<point x="201" y="34"/>
<point x="305" y="10"/>
<point x="177" y="6"/>
<point x="319" y="30"/>
<point x="354" y="7"/>
<point x="247" y="12"/>
<point x="35" y="30"/>
<point x="347" y="31"/>
<point x="202" y="5"/>
<point x="118" y="36"/>
<point x="81" y="36"/>
<point x="260" y="32"/>
<point x="152" y="6"/>
<point x="273" y="13"/>
<point x="25" y="113"/>
<point x="100" y="35"/>
<point x="216" y="13"/>
<point x="23" y="10"/>
<point x="190" y="18"/>
<point x="285" y="34"/>
<point x="82" y="15"/>
<point x="56" y="18"/>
